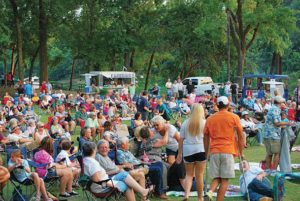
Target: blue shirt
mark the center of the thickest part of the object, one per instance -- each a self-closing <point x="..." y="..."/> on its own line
<point x="127" y="156"/>
<point x="271" y="131"/>
<point x="249" y="176"/>
<point x="28" y="89"/>
<point x="20" y="173"/>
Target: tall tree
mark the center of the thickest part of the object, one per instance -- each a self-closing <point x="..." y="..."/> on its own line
<point x="19" y="39"/>
<point x="43" y="42"/>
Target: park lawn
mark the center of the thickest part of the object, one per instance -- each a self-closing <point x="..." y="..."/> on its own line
<point x="252" y="154"/>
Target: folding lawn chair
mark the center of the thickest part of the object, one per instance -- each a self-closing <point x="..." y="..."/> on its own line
<point x="107" y="193"/>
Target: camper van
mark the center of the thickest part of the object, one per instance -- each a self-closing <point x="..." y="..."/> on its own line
<point x="202" y="84"/>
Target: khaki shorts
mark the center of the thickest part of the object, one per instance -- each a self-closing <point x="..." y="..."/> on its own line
<point x="272" y="146"/>
<point x="221" y="166"/>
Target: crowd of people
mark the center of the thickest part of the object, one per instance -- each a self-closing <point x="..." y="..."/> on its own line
<point x="173" y="157"/>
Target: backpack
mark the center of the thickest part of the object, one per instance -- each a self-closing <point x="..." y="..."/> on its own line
<point x="18" y="195"/>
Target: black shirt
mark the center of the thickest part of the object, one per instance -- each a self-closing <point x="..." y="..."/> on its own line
<point x="190" y="88"/>
<point x="233" y="88"/>
<point x="141" y="103"/>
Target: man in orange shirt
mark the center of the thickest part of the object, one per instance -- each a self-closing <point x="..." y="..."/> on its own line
<point x="220" y="144"/>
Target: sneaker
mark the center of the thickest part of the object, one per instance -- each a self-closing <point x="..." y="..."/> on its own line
<point x="65" y="195"/>
<point x="73" y="193"/>
<point x="210" y="195"/>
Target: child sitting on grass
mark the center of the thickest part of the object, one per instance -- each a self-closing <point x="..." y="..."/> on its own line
<point x="21" y="170"/>
<point x="254" y="179"/>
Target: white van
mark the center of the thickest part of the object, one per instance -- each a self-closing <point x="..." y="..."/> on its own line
<point x="202" y="84"/>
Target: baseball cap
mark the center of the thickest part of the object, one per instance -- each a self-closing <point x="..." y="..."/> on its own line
<point x="279" y="99"/>
<point x="223" y="99"/>
<point x="244" y="113"/>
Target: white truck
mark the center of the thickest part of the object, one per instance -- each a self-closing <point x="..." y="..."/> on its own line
<point x="202" y="85"/>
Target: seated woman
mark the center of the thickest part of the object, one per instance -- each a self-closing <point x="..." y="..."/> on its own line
<point x="109" y="134"/>
<point x="41" y="133"/>
<point x="250" y="125"/>
<point x="125" y="157"/>
<point x="45" y="104"/>
<point x="56" y="128"/>
<point x="160" y="128"/>
<point x="151" y="146"/>
<point x="44" y="156"/>
<point x="138" y="120"/>
<point x="123" y="182"/>
<point x="23" y="174"/>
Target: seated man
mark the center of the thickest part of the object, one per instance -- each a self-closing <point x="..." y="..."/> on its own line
<point x="85" y="137"/>
<point x="123" y="182"/>
<point x="16" y="136"/>
<point x="112" y="169"/>
<point x="65" y="116"/>
<point x="81" y="116"/>
<point x="125" y="157"/>
<point x="259" y="187"/>
<point x="92" y="123"/>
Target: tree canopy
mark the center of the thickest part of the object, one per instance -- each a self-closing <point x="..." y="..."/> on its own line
<point x="151" y="37"/>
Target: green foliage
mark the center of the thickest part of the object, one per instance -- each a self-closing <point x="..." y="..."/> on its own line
<point x="188" y="37"/>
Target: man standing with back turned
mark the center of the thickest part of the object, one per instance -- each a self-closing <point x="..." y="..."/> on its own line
<point x="221" y="146"/>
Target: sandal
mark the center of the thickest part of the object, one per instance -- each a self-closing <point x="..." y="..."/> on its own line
<point x="150" y="191"/>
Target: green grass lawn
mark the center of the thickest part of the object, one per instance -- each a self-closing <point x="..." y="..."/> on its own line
<point x="253" y="154"/>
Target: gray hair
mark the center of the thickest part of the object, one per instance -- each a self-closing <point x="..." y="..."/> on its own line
<point x="158" y="119"/>
<point x="102" y="141"/>
<point x="88" y="148"/>
<point x="121" y="140"/>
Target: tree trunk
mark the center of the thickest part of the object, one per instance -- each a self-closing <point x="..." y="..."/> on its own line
<point x="240" y="68"/>
<point x="149" y="70"/>
<point x="12" y="64"/>
<point x="72" y="74"/>
<point x="43" y="42"/>
<point x="32" y="62"/>
<point x="276" y="64"/>
<point x="113" y="62"/>
<point x="127" y="59"/>
<point x="19" y="39"/>
<point x="132" y="58"/>
<point x="5" y="71"/>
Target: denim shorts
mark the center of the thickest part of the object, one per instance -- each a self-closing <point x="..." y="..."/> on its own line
<point x="119" y="181"/>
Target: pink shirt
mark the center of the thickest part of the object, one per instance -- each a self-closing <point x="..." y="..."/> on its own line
<point x="42" y="157"/>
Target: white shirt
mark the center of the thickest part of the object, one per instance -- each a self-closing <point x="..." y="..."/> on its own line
<point x="14" y="138"/>
<point x="172" y="104"/>
<point x="91" y="166"/>
<point x="267" y="106"/>
<point x="249" y="124"/>
<point x="192" y="144"/>
<point x="169" y="85"/>
<point x="64" y="154"/>
<point x="172" y="142"/>
<point x="227" y="89"/>
<point x="180" y="86"/>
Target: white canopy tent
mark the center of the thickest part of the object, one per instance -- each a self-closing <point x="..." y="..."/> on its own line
<point x="112" y="75"/>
